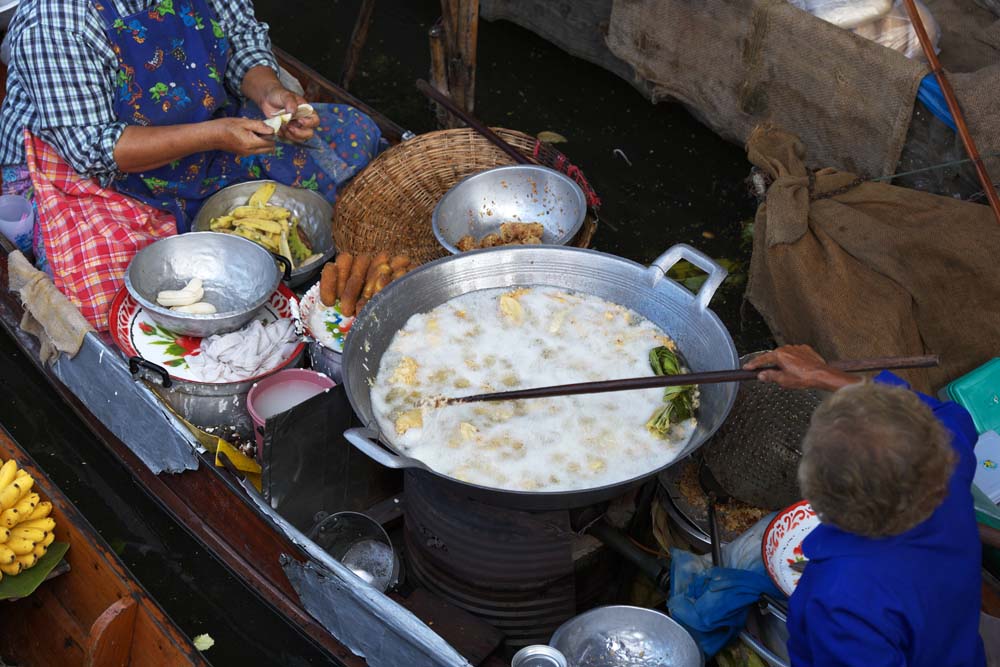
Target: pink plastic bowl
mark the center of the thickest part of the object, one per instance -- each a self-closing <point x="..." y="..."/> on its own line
<point x="266" y="397"/>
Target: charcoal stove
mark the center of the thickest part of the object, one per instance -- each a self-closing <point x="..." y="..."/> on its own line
<point x="524" y="573"/>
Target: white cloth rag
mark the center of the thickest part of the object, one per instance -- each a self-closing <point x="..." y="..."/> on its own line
<point x="244" y="354"/>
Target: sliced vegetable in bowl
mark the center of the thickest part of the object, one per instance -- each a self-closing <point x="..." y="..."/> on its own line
<point x="274" y="227"/>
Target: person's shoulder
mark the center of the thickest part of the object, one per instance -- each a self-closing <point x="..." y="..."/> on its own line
<point x="859" y="579"/>
<point x="61" y="15"/>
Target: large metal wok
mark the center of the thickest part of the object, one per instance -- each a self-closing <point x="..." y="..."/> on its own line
<point x="701" y="337"/>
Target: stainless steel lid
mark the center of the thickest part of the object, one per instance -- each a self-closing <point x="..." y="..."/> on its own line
<point x="539" y="655"/>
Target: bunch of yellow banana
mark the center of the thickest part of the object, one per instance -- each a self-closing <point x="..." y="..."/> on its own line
<point x="26" y="529"/>
<point x="271" y="226"/>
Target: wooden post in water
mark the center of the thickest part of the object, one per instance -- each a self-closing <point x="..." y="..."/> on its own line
<point x="460" y="19"/>
<point x="358" y="38"/>
<point x="439" y="70"/>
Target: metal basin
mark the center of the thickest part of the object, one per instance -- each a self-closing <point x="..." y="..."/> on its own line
<point x="315" y="216"/>
<point x="239" y="277"/>
<point x="700" y="335"/>
<point x="480" y="203"/>
<point x="362" y="545"/>
<point x="623" y="636"/>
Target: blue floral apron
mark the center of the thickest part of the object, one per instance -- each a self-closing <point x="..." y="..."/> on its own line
<point x="172" y="61"/>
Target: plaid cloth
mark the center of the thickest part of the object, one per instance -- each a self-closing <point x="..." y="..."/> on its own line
<point x="90" y="233"/>
<point x="63" y="72"/>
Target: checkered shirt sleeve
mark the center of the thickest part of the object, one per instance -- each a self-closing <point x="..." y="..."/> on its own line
<point x="70" y="92"/>
<point x="63" y="79"/>
<point x="250" y="42"/>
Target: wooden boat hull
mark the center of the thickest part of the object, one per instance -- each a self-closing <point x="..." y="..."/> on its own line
<point x="242" y="537"/>
<point x="95" y="614"/>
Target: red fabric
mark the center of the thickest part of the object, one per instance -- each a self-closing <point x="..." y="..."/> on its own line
<point x="90" y="233"/>
<point x="549" y="156"/>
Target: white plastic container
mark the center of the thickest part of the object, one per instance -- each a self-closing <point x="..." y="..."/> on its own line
<point x="17" y="220"/>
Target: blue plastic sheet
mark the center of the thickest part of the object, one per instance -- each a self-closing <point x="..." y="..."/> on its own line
<point x="930" y="94"/>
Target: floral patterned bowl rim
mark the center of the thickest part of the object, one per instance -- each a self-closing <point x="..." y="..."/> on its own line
<point x="125" y="312"/>
<point x="782" y="543"/>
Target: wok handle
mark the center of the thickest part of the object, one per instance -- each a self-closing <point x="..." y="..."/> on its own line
<point x="366" y="440"/>
<point x="135" y="363"/>
<point x="286" y="266"/>
<point x="716" y="273"/>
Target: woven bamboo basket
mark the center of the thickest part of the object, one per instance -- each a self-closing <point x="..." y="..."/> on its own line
<point x="388" y="206"/>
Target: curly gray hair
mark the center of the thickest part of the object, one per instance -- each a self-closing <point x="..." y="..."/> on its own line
<point x="876" y="462"/>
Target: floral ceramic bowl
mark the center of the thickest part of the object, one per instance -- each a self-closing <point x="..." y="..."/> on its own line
<point x="782" y="545"/>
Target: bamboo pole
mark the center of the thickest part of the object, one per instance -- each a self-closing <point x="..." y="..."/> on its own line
<point x="956" y="111"/>
<point x="359" y="35"/>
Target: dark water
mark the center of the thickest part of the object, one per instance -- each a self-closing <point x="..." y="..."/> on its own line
<point x="683" y="185"/>
<point x="679" y="184"/>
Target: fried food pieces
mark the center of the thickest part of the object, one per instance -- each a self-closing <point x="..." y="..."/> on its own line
<point x="511" y="233"/>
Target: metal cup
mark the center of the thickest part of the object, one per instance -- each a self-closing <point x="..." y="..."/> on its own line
<point x="539" y="655"/>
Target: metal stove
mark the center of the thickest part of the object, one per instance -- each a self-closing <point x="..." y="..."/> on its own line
<point x="524" y="573"/>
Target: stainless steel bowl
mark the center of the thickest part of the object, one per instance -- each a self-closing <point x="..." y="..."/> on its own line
<point x="315" y="216"/>
<point x="623" y="636"/>
<point x="480" y="203"/>
<point x="361" y="544"/>
<point x="239" y="277"/>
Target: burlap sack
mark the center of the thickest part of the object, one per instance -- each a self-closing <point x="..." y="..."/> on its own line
<point x="736" y="64"/>
<point x="874" y="271"/>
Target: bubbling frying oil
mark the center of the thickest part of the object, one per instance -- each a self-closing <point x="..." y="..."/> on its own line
<point x="502" y="339"/>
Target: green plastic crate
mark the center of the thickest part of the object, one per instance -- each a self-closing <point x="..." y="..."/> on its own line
<point x="979" y="393"/>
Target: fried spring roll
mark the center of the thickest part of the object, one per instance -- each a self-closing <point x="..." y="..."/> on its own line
<point x="355" y="283"/>
<point x="377" y="261"/>
<point x="344" y="262"/>
<point x="381" y="272"/>
<point x="328" y="285"/>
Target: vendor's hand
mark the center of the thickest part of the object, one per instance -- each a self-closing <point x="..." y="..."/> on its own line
<point x="799" y="367"/>
<point x="279" y="99"/>
<point x="242" y="136"/>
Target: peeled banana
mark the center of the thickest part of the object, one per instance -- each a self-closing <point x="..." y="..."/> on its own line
<point x="200" y="308"/>
<point x="26" y="529"/>
<point x="191" y="293"/>
<point x="261" y="212"/>
<point x="276" y="122"/>
<point x="263" y="195"/>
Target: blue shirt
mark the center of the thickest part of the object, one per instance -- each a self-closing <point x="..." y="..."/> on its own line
<point x="912" y="599"/>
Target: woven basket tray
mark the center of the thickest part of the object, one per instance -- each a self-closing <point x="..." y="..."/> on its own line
<point x="388" y="206"/>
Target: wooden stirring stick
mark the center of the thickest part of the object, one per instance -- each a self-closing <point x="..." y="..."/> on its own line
<point x="708" y="377"/>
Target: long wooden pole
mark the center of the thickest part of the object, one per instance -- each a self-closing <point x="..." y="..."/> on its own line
<point x="359" y="35"/>
<point x="956" y="111"/>
<point x="452" y="107"/>
<point x="682" y="379"/>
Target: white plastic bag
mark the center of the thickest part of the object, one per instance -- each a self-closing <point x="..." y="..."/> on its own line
<point x="845" y="13"/>
<point x="896" y="32"/>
